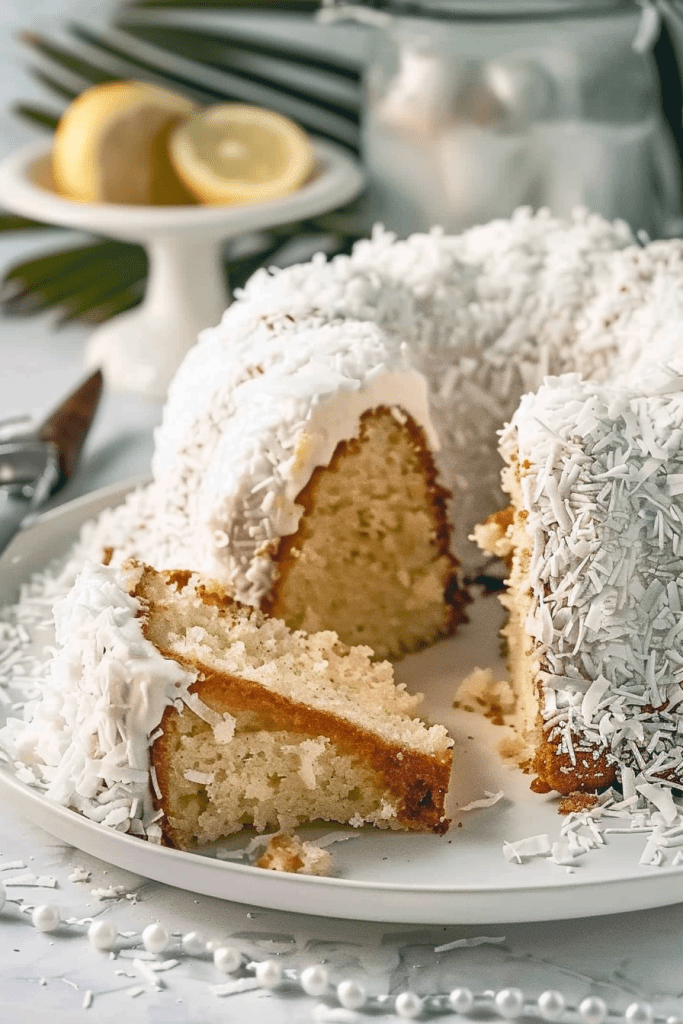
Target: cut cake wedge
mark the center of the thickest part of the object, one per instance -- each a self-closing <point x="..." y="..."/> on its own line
<point x="174" y="712"/>
<point x="281" y="727"/>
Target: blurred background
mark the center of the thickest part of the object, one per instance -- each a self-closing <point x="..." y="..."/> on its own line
<point x="460" y="110"/>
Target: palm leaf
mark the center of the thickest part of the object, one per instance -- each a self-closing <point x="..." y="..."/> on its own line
<point x="14" y="222"/>
<point x="54" y="279"/>
<point x="37" y="116"/>
<point x="247" y="36"/>
<point x="294" y="72"/>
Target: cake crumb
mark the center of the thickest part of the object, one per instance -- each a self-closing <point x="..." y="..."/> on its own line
<point x="512" y="750"/>
<point x="577" y="802"/>
<point x="287" y="852"/>
<point x="481" y="691"/>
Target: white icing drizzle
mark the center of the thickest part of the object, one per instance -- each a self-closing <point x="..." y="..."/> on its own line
<point x="599" y="471"/>
<point x="85" y="739"/>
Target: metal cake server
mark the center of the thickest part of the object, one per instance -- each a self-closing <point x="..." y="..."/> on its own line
<point x="36" y="460"/>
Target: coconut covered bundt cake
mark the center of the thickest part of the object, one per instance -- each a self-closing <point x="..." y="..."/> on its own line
<point x="172" y="710"/>
<point x="594" y="538"/>
<point x="326" y="450"/>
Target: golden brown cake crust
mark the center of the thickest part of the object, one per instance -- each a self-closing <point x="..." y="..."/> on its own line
<point x="418" y="781"/>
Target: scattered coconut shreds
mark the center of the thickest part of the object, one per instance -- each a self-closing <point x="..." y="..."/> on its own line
<point x="488" y="800"/>
<point x="653" y="812"/>
<point x="147" y="972"/>
<point x="165" y="965"/>
<point x="110" y="892"/>
<point x="525" y="849"/>
<point x="80" y="875"/>
<point x="15" y="865"/>
<point x="477" y="940"/>
<point x="336" y="837"/>
<point x="233" y="988"/>
<point x="32" y="881"/>
<point x="136" y="954"/>
<point x="334" y="1014"/>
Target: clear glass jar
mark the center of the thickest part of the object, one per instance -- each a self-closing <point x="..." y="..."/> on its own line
<point x="472" y="109"/>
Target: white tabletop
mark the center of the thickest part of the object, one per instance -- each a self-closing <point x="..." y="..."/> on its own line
<point x="46" y="977"/>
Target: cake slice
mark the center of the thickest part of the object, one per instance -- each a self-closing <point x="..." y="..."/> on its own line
<point x="594" y="542"/>
<point x="182" y="710"/>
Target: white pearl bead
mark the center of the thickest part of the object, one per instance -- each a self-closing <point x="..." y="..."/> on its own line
<point x="194" y="943"/>
<point x="314" y="980"/>
<point x="45" y="919"/>
<point x="268" y="974"/>
<point x="351" y="995"/>
<point x="408" y="1005"/>
<point x="461" y="1000"/>
<point x="551" y="1005"/>
<point x="593" y="1010"/>
<point x="102" y="935"/>
<point x="639" y="1013"/>
<point x="228" y="960"/>
<point x="509" y="1002"/>
<point x="155" y="938"/>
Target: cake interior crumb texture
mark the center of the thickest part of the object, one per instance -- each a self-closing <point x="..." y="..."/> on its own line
<point x="371" y="559"/>
<point x="286" y="727"/>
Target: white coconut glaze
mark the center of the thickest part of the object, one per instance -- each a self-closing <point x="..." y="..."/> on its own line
<point x="86" y="738"/>
<point x="602" y="483"/>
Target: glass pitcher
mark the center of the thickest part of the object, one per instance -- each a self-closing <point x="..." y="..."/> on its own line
<point x="474" y="108"/>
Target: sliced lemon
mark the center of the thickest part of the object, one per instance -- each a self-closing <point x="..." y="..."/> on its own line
<point x="111" y="145"/>
<point x="235" y="153"/>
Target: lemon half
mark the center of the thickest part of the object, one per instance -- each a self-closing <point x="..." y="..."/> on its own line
<point x="111" y="145"/>
<point x="234" y="153"/>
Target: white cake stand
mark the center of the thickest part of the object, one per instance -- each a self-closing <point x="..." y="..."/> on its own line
<point x="186" y="289"/>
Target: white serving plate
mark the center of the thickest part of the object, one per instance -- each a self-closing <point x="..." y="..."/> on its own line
<point x="380" y="876"/>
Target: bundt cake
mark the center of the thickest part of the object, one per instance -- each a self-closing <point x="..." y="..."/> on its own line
<point x="594" y="538"/>
<point x="172" y="710"/>
<point x="324" y="453"/>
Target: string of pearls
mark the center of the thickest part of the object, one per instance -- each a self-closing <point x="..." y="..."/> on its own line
<point x="349" y="995"/>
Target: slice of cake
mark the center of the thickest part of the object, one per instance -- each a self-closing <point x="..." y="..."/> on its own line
<point x="595" y="594"/>
<point x="171" y="707"/>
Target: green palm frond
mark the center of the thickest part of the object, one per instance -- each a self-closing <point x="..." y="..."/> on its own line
<point x="157" y="41"/>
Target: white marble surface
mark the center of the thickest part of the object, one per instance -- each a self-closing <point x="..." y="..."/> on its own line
<point x="46" y="977"/>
